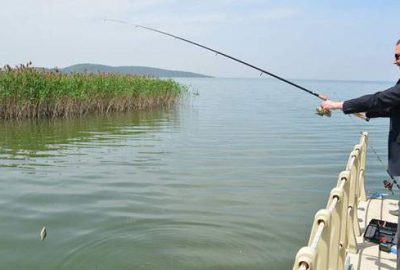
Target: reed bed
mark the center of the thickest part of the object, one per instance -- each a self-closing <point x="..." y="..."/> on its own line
<point x="27" y="92"/>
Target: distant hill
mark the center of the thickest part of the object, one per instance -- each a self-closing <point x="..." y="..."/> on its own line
<point x="139" y="70"/>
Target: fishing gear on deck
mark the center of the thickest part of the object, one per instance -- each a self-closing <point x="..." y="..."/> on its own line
<point x="319" y="111"/>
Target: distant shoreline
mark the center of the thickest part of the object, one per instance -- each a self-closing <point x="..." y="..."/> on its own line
<point x="129" y="70"/>
<point x="167" y="73"/>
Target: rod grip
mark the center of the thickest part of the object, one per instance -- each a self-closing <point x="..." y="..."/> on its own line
<point x="361" y="116"/>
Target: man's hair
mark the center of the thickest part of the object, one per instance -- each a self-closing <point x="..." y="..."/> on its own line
<point x="398" y="42"/>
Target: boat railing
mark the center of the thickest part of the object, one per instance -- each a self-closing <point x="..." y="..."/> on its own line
<point x="334" y="229"/>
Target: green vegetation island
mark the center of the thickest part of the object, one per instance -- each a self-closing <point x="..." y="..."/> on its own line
<point x="28" y="92"/>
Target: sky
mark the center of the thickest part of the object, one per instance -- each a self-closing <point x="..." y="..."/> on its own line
<point x="314" y="39"/>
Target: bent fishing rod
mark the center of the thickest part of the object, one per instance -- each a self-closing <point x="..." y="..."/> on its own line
<point x="320" y="111"/>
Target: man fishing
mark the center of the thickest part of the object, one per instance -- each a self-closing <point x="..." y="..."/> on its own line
<point x="381" y="104"/>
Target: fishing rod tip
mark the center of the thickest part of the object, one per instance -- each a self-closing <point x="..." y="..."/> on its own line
<point x="108" y="20"/>
<point x="114" y="20"/>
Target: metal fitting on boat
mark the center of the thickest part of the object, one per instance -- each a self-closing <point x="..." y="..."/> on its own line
<point x="344" y="175"/>
<point x="337" y="193"/>
<point x="357" y="147"/>
<point x="307" y="256"/>
<point x="355" y="153"/>
<point x="324" y="216"/>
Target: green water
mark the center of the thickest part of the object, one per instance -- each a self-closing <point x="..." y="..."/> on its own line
<point x="230" y="179"/>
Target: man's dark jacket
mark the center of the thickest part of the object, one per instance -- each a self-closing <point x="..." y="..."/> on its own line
<point x="382" y="104"/>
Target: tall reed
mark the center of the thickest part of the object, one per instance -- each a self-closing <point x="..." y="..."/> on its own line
<point x="27" y="92"/>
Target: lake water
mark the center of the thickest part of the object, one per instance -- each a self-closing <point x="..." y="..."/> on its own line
<point x="230" y="179"/>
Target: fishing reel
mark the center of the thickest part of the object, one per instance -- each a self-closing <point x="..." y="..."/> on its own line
<point x="323" y="112"/>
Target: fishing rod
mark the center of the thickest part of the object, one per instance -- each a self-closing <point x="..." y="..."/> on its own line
<point x="320" y="111"/>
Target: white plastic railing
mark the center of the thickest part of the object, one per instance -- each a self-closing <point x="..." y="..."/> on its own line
<point x="334" y="230"/>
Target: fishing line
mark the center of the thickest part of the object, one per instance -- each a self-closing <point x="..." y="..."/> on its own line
<point x="320" y="111"/>
<point x="387" y="184"/>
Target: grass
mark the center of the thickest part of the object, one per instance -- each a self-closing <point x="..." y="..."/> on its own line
<point x="27" y="92"/>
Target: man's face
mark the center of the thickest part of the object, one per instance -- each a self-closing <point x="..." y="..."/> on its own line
<point x="397" y="56"/>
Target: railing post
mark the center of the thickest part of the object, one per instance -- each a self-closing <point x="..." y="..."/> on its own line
<point x="336" y="254"/>
<point x="364" y="143"/>
<point x="352" y="242"/>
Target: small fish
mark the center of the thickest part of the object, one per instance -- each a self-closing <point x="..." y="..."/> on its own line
<point x="43" y="233"/>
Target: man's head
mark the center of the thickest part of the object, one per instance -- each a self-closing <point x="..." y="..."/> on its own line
<point x="397" y="54"/>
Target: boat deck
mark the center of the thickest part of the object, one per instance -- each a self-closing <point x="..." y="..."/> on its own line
<point x="369" y="256"/>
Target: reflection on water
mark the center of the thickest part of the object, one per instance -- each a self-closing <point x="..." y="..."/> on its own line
<point x="24" y="142"/>
<point x="229" y="180"/>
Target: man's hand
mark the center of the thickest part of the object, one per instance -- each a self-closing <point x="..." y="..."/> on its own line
<point x="332" y="105"/>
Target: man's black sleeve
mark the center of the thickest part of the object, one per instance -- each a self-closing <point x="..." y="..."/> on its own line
<point x="376" y="114"/>
<point x="380" y="102"/>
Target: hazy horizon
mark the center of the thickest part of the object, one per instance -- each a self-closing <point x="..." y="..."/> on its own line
<point x="263" y="77"/>
<point x="333" y="40"/>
